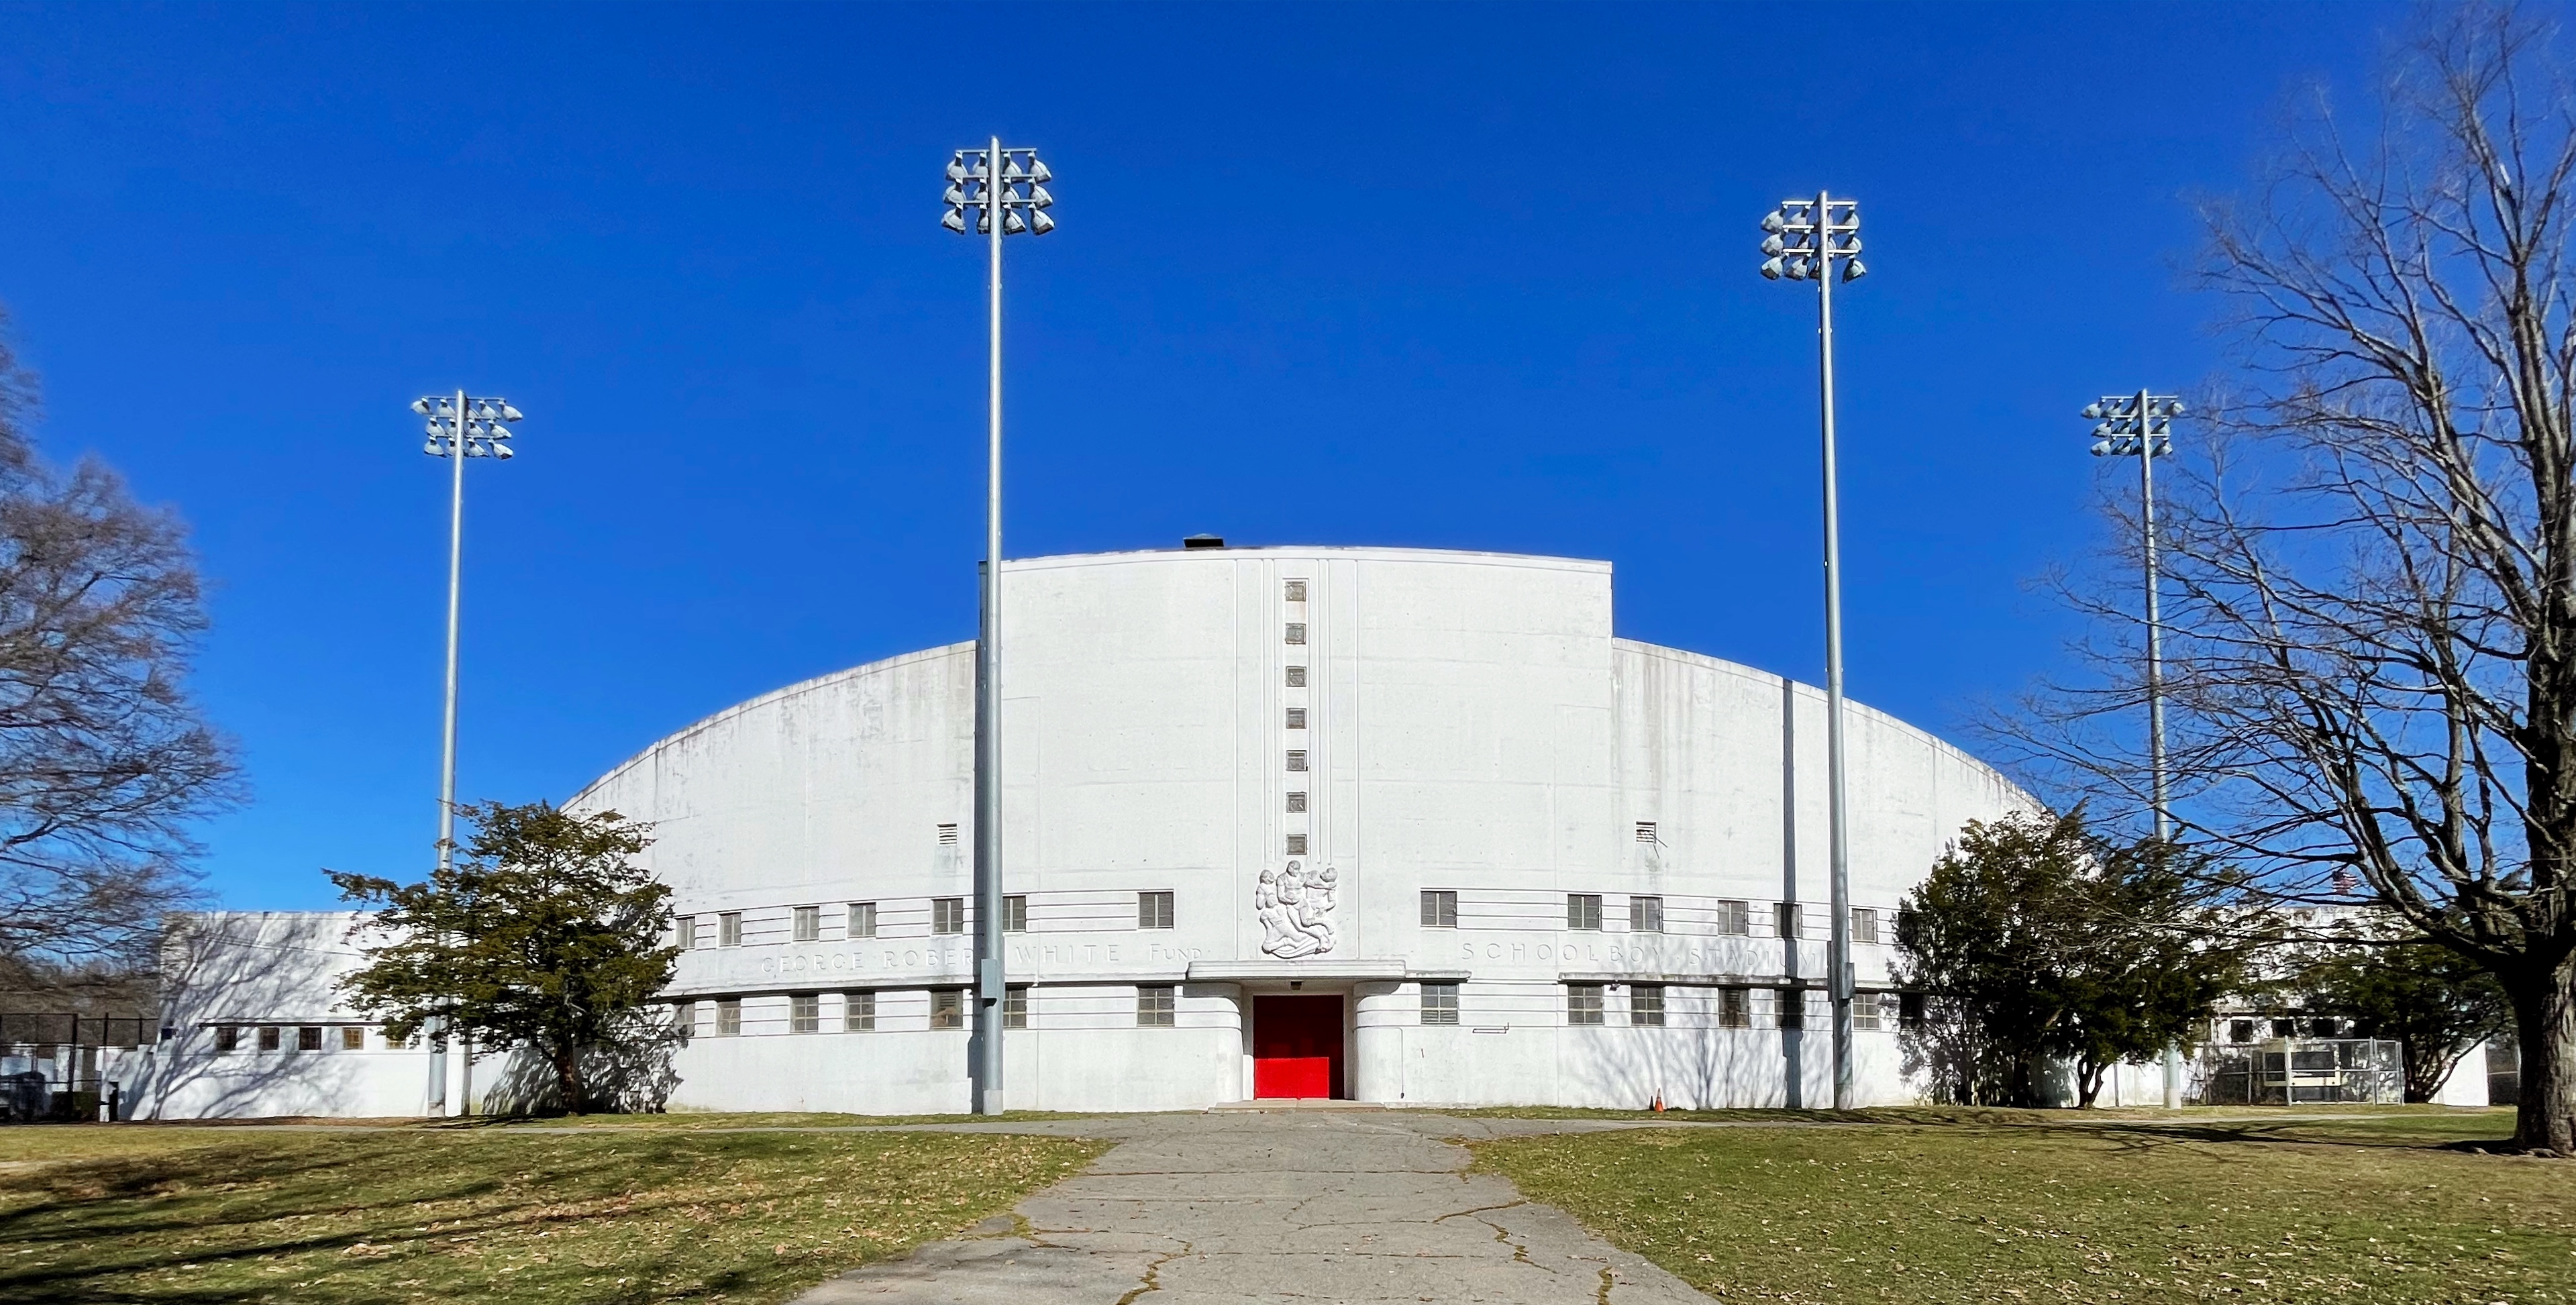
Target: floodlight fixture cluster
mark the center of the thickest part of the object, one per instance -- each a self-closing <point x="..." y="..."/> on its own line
<point x="1021" y="192"/>
<point x="2126" y="424"/>
<point x="1802" y="239"/>
<point x="480" y="426"/>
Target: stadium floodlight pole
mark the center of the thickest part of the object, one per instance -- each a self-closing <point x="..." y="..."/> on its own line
<point x="1006" y="191"/>
<point x="1802" y="240"/>
<point x="2140" y="425"/>
<point x="459" y="427"/>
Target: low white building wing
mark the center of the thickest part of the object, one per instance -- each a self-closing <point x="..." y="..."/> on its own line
<point x="1398" y="825"/>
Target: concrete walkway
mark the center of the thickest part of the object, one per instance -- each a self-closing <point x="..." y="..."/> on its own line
<point x="1294" y="1206"/>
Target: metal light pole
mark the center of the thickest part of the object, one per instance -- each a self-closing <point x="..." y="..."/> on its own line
<point x="1803" y="240"/>
<point x="2140" y="425"/>
<point x="459" y="427"/>
<point x="1006" y="191"/>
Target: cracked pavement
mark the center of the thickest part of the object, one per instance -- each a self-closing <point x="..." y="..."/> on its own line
<point x="1289" y="1206"/>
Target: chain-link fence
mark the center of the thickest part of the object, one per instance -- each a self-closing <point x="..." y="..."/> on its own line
<point x="2302" y="1071"/>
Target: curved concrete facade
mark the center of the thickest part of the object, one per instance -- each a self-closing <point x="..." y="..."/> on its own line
<point x="1429" y="786"/>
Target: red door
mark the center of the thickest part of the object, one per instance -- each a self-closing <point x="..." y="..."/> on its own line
<point x="1296" y="1046"/>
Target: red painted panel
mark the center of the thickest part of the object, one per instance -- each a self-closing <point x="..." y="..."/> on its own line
<point x="1296" y="1046"/>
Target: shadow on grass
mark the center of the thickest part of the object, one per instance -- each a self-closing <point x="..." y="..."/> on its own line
<point x="124" y="1230"/>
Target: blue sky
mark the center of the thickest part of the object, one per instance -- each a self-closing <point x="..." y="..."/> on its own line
<point x="1469" y="276"/>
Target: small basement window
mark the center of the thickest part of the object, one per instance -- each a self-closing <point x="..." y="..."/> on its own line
<point x="1440" y="1003"/>
<point x="1865" y="1010"/>
<point x="1296" y="803"/>
<point x="1646" y="1005"/>
<point x="1297" y="632"/>
<point x="308" y="1038"/>
<point x="947" y="1008"/>
<point x="1296" y="677"/>
<point x="1583" y="1003"/>
<point x="1734" y="1008"/>
<point x="858" y="1012"/>
<point x="1154" y="1006"/>
<point x="1015" y="1007"/>
<point x="1791" y="1005"/>
<point x="805" y="1013"/>
<point x="352" y="1038"/>
<point x="228" y="1037"/>
<point x="729" y="1017"/>
<point x="1296" y="591"/>
<point x="1297" y="761"/>
<point x="1296" y="845"/>
<point x="1296" y="718"/>
<point x="268" y="1037"/>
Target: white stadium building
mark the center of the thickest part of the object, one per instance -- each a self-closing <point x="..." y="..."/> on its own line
<point x="1394" y="825"/>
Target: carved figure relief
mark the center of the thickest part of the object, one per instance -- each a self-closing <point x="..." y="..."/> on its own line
<point x="1296" y="910"/>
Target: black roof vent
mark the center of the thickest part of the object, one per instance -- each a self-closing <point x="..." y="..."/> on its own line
<point x="1204" y="541"/>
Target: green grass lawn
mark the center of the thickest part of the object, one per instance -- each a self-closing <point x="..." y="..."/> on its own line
<point x="140" y="1214"/>
<point x="2040" y="1206"/>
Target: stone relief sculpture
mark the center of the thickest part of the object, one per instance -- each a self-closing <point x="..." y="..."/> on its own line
<point x="1296" y="910"/>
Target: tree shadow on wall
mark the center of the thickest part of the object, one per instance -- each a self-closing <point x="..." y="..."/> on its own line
<point x="631" y="1074"/>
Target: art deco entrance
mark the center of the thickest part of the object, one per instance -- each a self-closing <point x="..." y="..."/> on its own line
<point x="1297" y="1047"/>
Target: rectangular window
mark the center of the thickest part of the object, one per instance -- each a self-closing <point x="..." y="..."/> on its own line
<point x="1296" y="677"/>
<point x="268" y="1037"/>
<point x="1864" y="925"/>
<point x="353" y="1038"/>
<point x="2280" y="1029"/>
<point x="1440" y="1003"/>
<point x="948" y="835"/>
<point x="1296" y="718"/>
<point x="1734" y="917"/>
<point x="1439" y="908"/>
<point x="947" y="1008"/>
<point x="1296" y="632"/>
<point x="1296" y="845"/>
<point x="948" y="915"/>
<point x="2238" y="1031"/>
<point x="1645" y="914"/>
<point x="308" y="1038"/>
<point x="1154" y="1006"/>
<point x="805" y="1013"/>
<point x="863" y="919"/>
<point x="729" y="1017"/>
<point x="1296" y="761"/>
<point x="684" y="1017"/>
<point x="1734" y="1008"/>
<point x="1864" y="1010"/>
<point x="1296" y="591"/>
<point x="393" y="1043"/>
<point x="1015" y="913"/>
<point x="809" y="924"/>
<point x="1015" y="1008"/>
<point x="1784" y="919"/>
<point x="729" y="929"/>
<point x="684" y="931"/>
<point x="1583" y="1003"/>
<point x="858" y="1012"/>
<point x="1646" y="832"/>
<point x="228" y="1037"/>
<point x="1583" y="910"/>
<point x="1909" y="1010"/>
<point x="1791" y="1004"/>
<point x="1646" y="1004"/>
<point x="1296" y="803"/>
<point x="1153" y="910"/>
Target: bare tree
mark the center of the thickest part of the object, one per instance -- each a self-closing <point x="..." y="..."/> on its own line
<point x="2371" y="600"/>
<point x="105" y="762"/>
